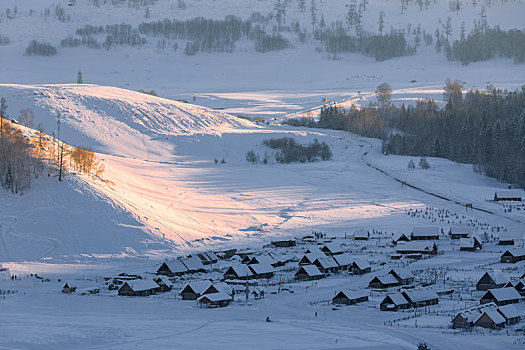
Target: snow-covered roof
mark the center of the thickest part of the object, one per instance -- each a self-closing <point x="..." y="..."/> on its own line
<point x="472" y="314"/>
<point x="396" y="236"/>
<point x="507" y="236"/>
<point x="354" y="294"/>
<point x="214" y="297"/>
<point x="311" y="270"/>
<point x="494" y="315"/>
<point x="165" y="280"/>
<point x="176" y="266"/>
<point x="388" y="279"/>
<point x="509" y="194"/>
<point x="425" y="231"/>
<point x="416" y="295"/>
<point x="212" y="256"/>
<point x="398" y="299"/>
<point x="497" y="276"/>
<point x="415" y="246"/>
<point x="344" y="259"/>
<point x="142" y="285"/>
<point x="193" y="263"/>
<point x="312" y="256"/>
<point x="510" y="311"/>
<point x="503" y="294"/>
<point x="261" y="268"/>
<point x="332" y="247"/>
<point x="362" y="264"/>
<point x="516" y="251"/>
<point x="361" y="233"/>
<point x="466" y="242"/>
<point x="241" y="270"/>
<point x="461" y="228"/>
<point x="402" y="273"/>
<point x="199" y="287"/>
<point x="263" y="259"/>
<point x="327" y="262"/>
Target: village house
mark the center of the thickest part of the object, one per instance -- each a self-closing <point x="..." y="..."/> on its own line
<point x="467" y="317"/>
<point x="513" y="196"/>
<point x="511" y="314"/>
<point x="308" y="272"/>
<point x="399" y="237"/>
<point x="491" y="280"/>
<point x="193" y="264"/>
<point x="361" y="235"/>
<point x="490" y="319"/>
<point x="172" y="268"/>
<point x="421" y="297"/>
<point x="262" y="270"/>
<point x="501" y="296"/>
<point x="208" y="258"/>
<point x="164" y="283"/>
<point x="470" y="244"/>
<point x="460" y="231"/>
<point x="422" y="233"/>
<point x="284" y="243"/>
<point x="350" y="297"/>
<point x="139" y="288"/>
<point x="513" y="255"/>
<point x="520" y="286"/>
<point x="332" y="249"/>
<point x="417" y="247"/>
<point x="508" y="238"/>
<point x="193" y="290"/>
<point x="326" y="264"/>
<point x="403" y="276"/>
<point x="344" y="260"/>
<point x="238" y="272"/>
<point x="213" y="300"/>
<point x="360" y="267"/>
<point x="383" y="282"/>
<point x="394" y="302"/>
<point x="309" y="258"/>
<point x="67" y="289"/>
<point x="264" y="259"/>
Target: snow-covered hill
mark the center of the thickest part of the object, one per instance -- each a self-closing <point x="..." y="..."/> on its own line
<point x="115" y="121"/>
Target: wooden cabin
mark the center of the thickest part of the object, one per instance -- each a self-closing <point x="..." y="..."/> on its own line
<point x="172" y="268"/>
<point x="326" y="264"/>
<point x="383" y="282"/>
<point x="513" y="256"/>
<point x="361" y="235"/>
<point x="511" y="196"/>
<point x="421" y="297"/>
<point x="490" y="319"/>
<point x="511" y="313"/>
<point x="403" y="276"/>
<point x="394" y="302"/>
<point x="262" y="270"/>
<point x="350" y="297"/>
<point x="193" y="290"/>
<point x="332" y="249"/>
<point x="423" y="233"/>
<point x="460" y="231"/>
<point x="466" y="318"/>
<point x="508" y="238"/>
<point x="491" y="280"/>
<point x="67" y="289"/>
<point x="399" y="237"/>
<point x="239" y="272"/>
<point x="470" y="244"/>
<point x="344" y="261"/>
<point x="214" y="300"/>
<point x="360" y="267"/>
<point x="139" y="288"/>
<point x="501" y="296"/>
<point x="308" y="272"/>
<point x="284" y="243"/>
<point x="415" y="247"/>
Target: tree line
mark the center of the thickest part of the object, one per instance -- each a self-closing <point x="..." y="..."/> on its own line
<point x="484" y="128"/>
<point x="289" y="151"/>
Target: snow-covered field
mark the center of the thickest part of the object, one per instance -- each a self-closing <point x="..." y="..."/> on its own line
<point x="176" y="182"/>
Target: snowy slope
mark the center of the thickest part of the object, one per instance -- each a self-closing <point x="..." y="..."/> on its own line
<point x="113" y="120"/>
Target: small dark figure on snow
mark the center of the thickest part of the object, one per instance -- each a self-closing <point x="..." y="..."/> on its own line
<point x="268" y="319"/>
